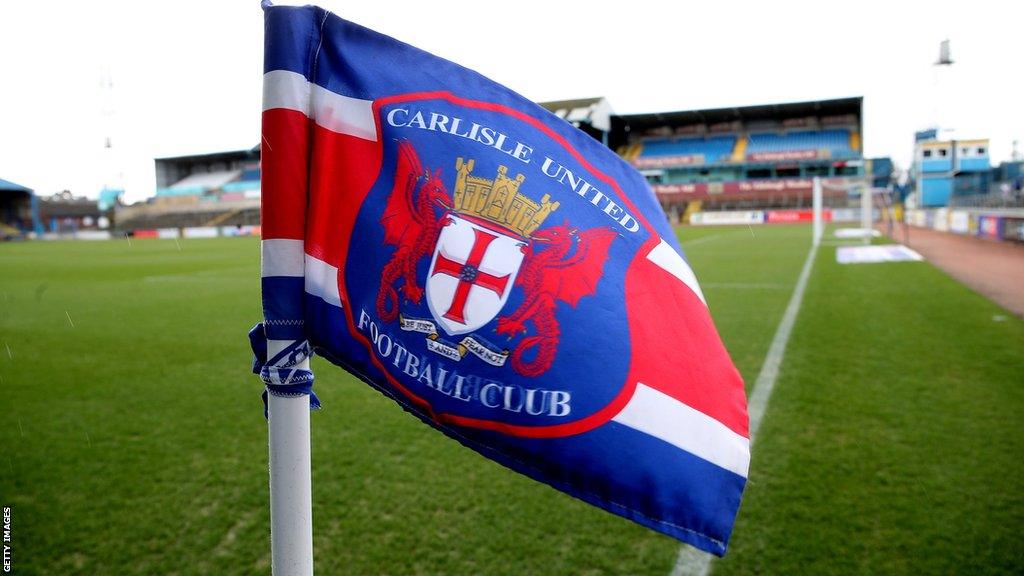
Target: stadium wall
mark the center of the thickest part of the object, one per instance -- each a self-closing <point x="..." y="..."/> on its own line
<point x="783" y="216"/>
<point x="992" y="224"/>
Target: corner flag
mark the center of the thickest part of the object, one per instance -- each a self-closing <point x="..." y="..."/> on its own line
<point x="497" y="272"/>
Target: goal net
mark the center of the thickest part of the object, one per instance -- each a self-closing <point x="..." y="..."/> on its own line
<point x="867" y="202"/>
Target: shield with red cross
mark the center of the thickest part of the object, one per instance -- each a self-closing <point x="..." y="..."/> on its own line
<point x="471" y="273"/>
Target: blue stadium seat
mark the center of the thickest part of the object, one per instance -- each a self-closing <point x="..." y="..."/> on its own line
<point x="714" y="149"/>
<point x="837" y="141"/>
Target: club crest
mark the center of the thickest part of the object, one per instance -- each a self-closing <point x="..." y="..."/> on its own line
<point x="485" y="241"/>
<point x="471" y="274"/>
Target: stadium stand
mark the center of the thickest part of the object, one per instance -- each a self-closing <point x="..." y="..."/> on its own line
<point x="750" y="157"/>
<point x="591" y="115"/>
<point x="16" y="218"/>
<point x="159" y="215"/>
<point x="218" y="189"/>
<point x="199" y="183"/>
<point x="200" y="173"/>
<point x="830" y="143"/>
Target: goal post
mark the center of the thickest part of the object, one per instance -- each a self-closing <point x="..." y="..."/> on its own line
<point x="866" y="216"/>
<point x="816" y="202"/>
<point x="866" y="204"/>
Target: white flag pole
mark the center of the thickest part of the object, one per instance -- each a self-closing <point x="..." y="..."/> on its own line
<point x="291" y="486"/>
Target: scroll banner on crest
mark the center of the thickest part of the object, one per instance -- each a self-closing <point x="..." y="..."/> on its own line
<point x="500" y="274"/>
<point x="479" y="347"/>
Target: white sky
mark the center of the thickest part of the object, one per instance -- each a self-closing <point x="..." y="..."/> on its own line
<point x="187" y="74"/>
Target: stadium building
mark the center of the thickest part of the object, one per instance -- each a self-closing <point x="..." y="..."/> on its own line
<point x="23" y="214"/>
<point x="64" y="213"/>
<point x="946" y="169"/>
<point x="880" y="172"/>
<point x="17" y="210"/>
<point x="591" y="115"/>
<point x="214" y="191"/>
<point x="747" y="158"/>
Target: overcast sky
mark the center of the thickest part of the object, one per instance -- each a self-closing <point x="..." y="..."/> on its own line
<point x="187" y="75"/>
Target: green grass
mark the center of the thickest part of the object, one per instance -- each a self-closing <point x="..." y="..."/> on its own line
<point x="133" y="441"/>
<point x="894" y="442"/>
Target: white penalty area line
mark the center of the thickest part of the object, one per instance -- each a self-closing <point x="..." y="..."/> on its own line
<point x="693" y="562"/>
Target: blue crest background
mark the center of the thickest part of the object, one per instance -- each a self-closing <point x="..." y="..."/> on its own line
<point x="592" y="358"/>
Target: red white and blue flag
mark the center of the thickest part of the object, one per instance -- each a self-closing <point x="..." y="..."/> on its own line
<point x="497" y="272"/>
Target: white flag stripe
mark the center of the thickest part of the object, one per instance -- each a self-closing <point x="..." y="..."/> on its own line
<point x="337" y="113"/>
<point x="322" y="280"/>
<point x="344" y="115"/>
<point x="662" y="416"/>
<point x="666" y="257"/>
<point x="282" y="258"/>
<point x="284" y="89"/>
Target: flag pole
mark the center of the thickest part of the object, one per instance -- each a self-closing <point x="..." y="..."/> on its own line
<point x="291" y="487"/>
<point x="291" y="501"/>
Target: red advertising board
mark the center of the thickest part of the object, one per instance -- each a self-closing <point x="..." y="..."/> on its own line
<point x="745" y="189"/>
<point x="784" y="216"/>
<point x="701" y="188"/>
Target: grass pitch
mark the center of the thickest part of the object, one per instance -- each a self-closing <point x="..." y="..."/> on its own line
<point x="133" y="440"/>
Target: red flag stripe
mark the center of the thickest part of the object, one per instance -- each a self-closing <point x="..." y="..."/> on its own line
<point x="684" y="359"/>
<point x="285" y="173"/>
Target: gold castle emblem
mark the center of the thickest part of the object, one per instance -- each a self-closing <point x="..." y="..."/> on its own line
<point x="499" y="200"/>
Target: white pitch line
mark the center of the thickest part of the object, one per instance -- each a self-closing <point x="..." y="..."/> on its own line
<point x="693" y="562"/>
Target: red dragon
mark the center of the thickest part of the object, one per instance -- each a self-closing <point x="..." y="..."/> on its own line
<point x="411" y="224"/>
<point x="550" y="275"/>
